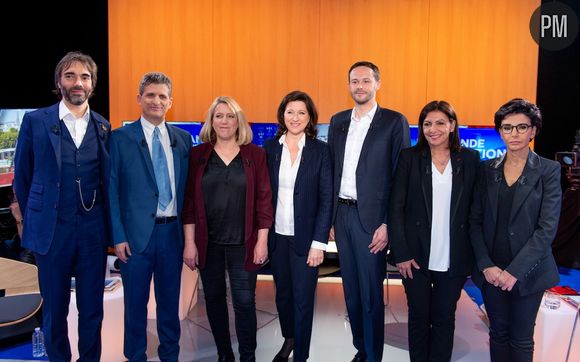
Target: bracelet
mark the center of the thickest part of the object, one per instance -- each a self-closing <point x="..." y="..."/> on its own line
<point x="20" y="222"/>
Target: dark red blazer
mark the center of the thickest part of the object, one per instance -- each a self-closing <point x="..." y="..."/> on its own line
<point x="259" y="213"/>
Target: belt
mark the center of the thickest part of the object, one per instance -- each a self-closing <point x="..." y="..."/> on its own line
<point x="349" y="202"/>
<point x="165" y="219"/>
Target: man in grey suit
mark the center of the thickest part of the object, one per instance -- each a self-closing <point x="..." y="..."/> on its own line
<point x="149" y="164"/>
<point x="365" y="143"/>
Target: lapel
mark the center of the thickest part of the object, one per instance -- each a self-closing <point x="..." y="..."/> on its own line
<point x="100" y="128"/>
<point x="102" y="131"/>
<point x="372" y="133"/>
<point x="52" y="125"/>
<point x="276" y="164"/>
<point x="456" y="183"/>
<point x="200" y="165"/>
<point x="340" y="140"/>
<point x="139" y="139"/>
<point x="526" y="182"/>
<point x="427" y="181"/>
<point x="304" y="159"/>
<point x="173" y="141"/>
<point x="493" y="183"/>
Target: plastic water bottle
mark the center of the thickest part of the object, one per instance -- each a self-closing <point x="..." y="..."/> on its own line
<point x="38" y="343"/>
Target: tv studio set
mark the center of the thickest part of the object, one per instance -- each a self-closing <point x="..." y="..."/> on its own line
<point x="379" y="180"/>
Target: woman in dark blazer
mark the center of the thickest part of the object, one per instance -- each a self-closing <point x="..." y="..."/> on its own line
<point x="429" y="210"/>
<point x="514" y="221"/>
<point x="226" y="217"/>
<point x="301" y="179"/>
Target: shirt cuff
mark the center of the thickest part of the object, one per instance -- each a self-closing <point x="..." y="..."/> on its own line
<point x="318" y="245"/>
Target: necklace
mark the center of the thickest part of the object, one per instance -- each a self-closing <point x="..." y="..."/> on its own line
<point x="439" y="162"/>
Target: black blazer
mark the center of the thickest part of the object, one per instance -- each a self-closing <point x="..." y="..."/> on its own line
<point x="387" y="136"/>
<point x="312" y="192"/>
<point x="532" y="225"/>
<point x="412" y="206"/>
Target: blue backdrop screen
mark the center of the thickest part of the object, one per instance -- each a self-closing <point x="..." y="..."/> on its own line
<point x="483" y="139"/>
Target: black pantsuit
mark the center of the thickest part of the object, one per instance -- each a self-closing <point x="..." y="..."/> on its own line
<point x="531" y="227"/>
<point x="432" y="300"/>
<point x="431" y="296"/>
<point x="512" y="318"/>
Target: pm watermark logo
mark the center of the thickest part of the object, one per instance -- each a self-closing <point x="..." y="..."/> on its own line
<point x="554" y="26"/>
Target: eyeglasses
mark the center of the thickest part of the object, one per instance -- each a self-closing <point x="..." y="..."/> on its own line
<point x="521" y="128"/>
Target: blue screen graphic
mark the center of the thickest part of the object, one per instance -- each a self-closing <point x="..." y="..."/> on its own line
<point x="483" y="139"/>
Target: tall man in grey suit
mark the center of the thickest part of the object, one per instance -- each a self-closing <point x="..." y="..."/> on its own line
<point x="149" y="164"/>
<point x="364" y="143"/>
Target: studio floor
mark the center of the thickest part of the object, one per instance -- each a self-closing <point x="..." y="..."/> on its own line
<point x="331" y="337"/>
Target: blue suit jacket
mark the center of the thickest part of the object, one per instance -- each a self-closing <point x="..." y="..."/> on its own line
<point x="133" y="193"/>
<point x="312" y="192"/>
<point x="37" y="166"/>
<point x="387" y="136"/>
<point x="532" y="225"/>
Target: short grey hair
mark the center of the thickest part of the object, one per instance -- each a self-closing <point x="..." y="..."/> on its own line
<point x="154" y="78"/>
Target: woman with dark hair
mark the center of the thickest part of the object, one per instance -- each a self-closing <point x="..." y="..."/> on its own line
<point x="301" y="180"/>
<point x="226" y="217"/>
<point x="429" y="209"/>
<point x="514" y="221"/>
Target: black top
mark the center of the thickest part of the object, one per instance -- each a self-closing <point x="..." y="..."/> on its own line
<point x="224" y="194"/>
<point x="502" y="253"/>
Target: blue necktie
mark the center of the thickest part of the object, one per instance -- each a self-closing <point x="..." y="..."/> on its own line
<point x="161" y="171"/>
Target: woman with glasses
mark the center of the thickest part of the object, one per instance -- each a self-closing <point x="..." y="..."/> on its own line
<point x="429" y="233"/>
<point x="513" y="222"/>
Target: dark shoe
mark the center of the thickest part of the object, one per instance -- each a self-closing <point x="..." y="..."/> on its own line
<point x="287" y="348"/>
<point x="358" y="358"/>
<point x="228" y="358"/>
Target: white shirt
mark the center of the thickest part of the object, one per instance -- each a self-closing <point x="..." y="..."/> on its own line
<point x="284" y="220"/>
<point x="77" y="127"/>
<point x="148" y="129"/>
<point x="439" y="254"/>
<point x="357" y="132"/>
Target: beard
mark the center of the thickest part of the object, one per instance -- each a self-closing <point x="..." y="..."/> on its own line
<point x="76" y="99"/>
<point x="364" y="100"/>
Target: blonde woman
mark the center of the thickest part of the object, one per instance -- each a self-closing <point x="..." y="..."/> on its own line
<point x="226" y="217"/>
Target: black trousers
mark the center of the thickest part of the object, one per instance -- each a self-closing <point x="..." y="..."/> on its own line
<point x="243" y="288"/>
<point x="295" y="289"/>
<point x="432" y="300"/>
<point x="512" y="319"/>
